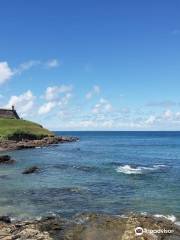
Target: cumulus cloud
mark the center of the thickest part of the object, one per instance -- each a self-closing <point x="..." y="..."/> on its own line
<point x="166" y="119"/>
<point x="151" y="120"/>
<point x="53" y="92"/>
<point x="103" y="106"/>
<point x="94" y="91"/>
<point x="46" y="108"/>
<point x="56" y="96"/>
<point x="23" y="103"/>
<point x="168" y="114"/>
<point x="5" y="72"/>
<point x="65" y="99"/>
<point x="117" y="119"/>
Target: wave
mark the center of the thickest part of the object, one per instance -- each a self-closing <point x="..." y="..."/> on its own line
<point x="171" y="218"/>
<point x="128" y="169"/>
<point x="83" y="168"/>
<point x="86" y="168"/>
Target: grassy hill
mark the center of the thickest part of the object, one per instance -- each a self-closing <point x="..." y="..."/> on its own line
<point x="17" y="129"/>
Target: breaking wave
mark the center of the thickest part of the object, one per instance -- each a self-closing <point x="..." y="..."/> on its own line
<point x="171" y="218"/>
<point x="128" y="169"/>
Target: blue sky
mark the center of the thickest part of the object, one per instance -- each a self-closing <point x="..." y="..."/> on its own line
<point x="92" y="65"/>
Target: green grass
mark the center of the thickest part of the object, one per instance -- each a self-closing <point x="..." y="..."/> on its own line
<point x="17" y="129"/>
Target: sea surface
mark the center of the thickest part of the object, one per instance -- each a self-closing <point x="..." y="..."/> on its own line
<point x="105" y="172"/>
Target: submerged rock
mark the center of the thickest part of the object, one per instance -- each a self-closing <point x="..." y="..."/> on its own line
<point x="30" y="170"/>
<point x="6" y="159"/>
<point x="5" y="219"/>
<point x="91" y="227"/>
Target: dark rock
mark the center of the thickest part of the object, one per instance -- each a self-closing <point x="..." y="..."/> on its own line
<point x="6" y="159"/>
<point x="30" y="170"/>
<point x="4" y="177"/>
<point x="5" y="219"/>
<point x="20" y="147"/>
<point x="51" y="224"/>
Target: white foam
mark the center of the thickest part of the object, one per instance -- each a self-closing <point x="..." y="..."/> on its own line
<point x="172" y="218"/>
<point x="127" y="169"/>
<point x="122" y="216"/>
<point x="177" y="223"/>
<point x="144" y="213"/>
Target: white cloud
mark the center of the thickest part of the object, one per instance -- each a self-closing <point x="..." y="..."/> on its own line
<point x="177" y="114"/>
<point x="94" y="91"/>
<point x="168" y="114"/>
<point x="5" y="72"/>
<point x="53" y="63"/>
<point x="103" y="106"/>
<point x="65" y="99"/>
<point x="108" y="118"/>
<point x="56" y="96"/>
<point x="26" y="66"/>
<point x="33" y="63"/>
<point x="23" y="103"/>
<point x="52" y="93"/>
<point x="151" y="120"/>
<point x="108" y="124"/>
<point x="165" y="120"/>
<point x="46" y="108"/>
<point x="88" y="123"/>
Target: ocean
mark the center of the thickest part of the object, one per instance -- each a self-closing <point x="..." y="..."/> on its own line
<point x="104" y="172"/>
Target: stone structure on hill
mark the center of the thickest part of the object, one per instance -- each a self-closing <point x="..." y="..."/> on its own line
<point x="9" y="113"/>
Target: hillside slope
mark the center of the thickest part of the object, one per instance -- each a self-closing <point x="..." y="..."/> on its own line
<point x="14" y="129"/>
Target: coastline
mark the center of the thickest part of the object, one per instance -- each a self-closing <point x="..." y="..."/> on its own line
<point x="90" y="226"/>
<point x="85" y="226"/>
<point x="11" y="145"/>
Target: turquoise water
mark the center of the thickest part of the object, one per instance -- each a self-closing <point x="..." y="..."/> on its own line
<point x="109" y="172"/>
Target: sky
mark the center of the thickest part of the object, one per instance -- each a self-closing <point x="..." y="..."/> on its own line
<point x="92" y="65"/>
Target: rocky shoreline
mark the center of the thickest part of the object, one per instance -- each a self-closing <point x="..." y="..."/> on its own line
<point x="10" y="145"/>
<point x="89" y="227"/>
<point x="83" y="226"/>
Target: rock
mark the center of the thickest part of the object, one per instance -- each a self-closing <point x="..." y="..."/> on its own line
<point x="7" y="238"/>
<point x="51" y="224"/>
<point x="6" y="159"/>
<point x="9" y="145"/>
<point x="30" y="170"/>
<point x="22" y="146"/>
<point x="31" y="233"/>
<point x="5" y="219"/>
<point x="89" y="227"/>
